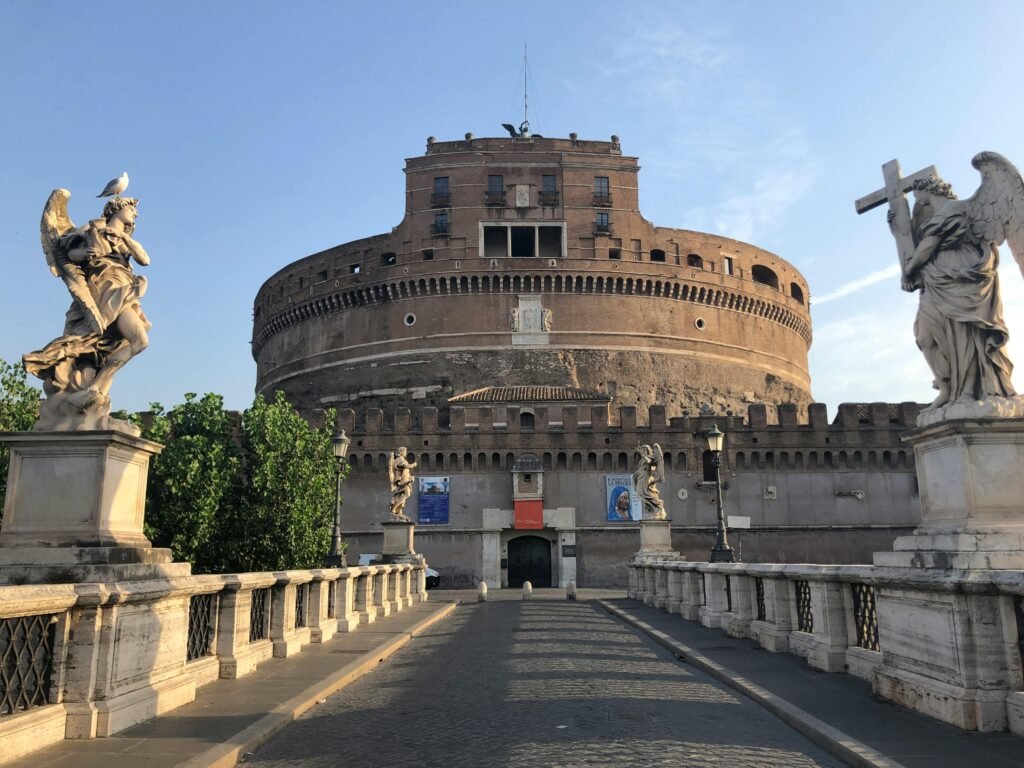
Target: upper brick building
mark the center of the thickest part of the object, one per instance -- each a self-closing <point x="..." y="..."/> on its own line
<point x="526" y="261"/>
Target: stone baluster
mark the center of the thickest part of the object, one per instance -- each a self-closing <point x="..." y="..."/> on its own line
<point x="365" y="603"/>
<point x="692" y="598"/>
<point x="716" y="600"/>
<point x="289" y="638"/>
<point x="773" y="632"/>
<point x="675" y="589"/>
<point x="736" y="622"/>
<point x="381" y="588"/>
<point x="660" y="586"/>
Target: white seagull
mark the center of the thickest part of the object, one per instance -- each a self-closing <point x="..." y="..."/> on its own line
<point x="115" y="186"/>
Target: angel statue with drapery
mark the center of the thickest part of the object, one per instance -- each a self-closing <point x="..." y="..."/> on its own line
<point x="949" y="253"/>
<point x="105" y="326"/>
<point x="649" y="472"/>
<point x="400" y="476"/>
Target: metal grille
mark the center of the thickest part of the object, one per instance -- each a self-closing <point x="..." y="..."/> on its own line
<point x="728" y="595"/>
<point x="202" y="612"/>
<point x="259" y="614"/>
<point x="865" y="618"/>
<point x="332" y="590"/>
<point x="804" y="617"/>
<point x="762" y="615"/>
<point x="703" y="590"/>
<point x="301" y="600"/>
<point x="26" y="662"/>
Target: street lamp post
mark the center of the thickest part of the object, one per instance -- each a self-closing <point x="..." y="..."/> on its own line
<point x="721" y="552"/>
<point x="339" y="443"/>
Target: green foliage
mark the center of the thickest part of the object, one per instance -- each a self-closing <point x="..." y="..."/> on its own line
<point x="287" y="509"/>
<point x="193" y="480"/>
<point x="19" y="407"/>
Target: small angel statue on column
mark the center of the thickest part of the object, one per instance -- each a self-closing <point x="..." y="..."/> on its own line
<point x="649" y="472"/>
<point x="400" y="475"/>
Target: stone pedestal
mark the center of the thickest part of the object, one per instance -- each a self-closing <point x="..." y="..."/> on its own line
<point x="74" y="510"/>
<point x="945" y="654"/>
<point x="971" y="479"/>
<point x="655" y="542"/>
<point x="398" y="546"/>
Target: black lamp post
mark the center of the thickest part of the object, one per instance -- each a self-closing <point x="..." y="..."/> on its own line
<point x="339" y="443"/>
<point x="721" y="552"/>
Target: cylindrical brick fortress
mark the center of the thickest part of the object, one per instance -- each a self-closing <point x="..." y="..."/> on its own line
<point x="525" y="261"/>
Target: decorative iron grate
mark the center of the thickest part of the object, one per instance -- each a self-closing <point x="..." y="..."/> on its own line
<point x="762" y="615"/>
<point x="26" y="662"/>
<point x="703" y="590"/>
<point x="865" y="617"/>
<point x="202" y="622"/>
<point x="804" y="617"/>
<point x="728" y="595"/>
<point x="259" y="615"/>
<point x="332" y="590"/>
<point x="301" y="603"/>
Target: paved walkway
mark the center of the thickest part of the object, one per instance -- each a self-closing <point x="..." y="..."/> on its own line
<point x="513" y="683"/>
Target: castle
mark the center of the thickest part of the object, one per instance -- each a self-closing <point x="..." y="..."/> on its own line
<point x="509" y="330"/>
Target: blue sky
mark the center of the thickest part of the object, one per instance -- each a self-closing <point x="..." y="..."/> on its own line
<point x="256" y="133"/>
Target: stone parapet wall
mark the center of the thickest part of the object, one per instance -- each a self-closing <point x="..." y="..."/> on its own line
<point x="104" y="657"/>
<point x="945" y="643"/>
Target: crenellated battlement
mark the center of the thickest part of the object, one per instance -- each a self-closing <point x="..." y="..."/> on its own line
<point x="861" y="435"/>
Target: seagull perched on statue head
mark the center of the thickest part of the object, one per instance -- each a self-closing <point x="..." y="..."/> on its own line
<point x="115" y="186"/>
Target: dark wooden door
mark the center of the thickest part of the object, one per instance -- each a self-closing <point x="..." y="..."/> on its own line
<point x="529" y="559"/>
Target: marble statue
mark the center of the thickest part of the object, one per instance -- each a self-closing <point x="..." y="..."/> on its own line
<point x="513" y="318"/>
<point x="649" y="472"/>
<point x="949" y="253"/>
<point x="547" y="320"/>
<point x="400" y="475"/>
<point x="105" y="326"/>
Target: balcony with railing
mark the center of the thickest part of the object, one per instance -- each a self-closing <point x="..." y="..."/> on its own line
<point x="548" y="197"/>
<point x="602" y="200"/>
<point x="603" y="228"/>
<point x="440" y="199"/>
<point x="494" y="198"/>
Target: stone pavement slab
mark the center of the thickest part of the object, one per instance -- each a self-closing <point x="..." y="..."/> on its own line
<point x="842" y="702"/>
<point x="546" y="682"/>
<point x="232" y="717"/>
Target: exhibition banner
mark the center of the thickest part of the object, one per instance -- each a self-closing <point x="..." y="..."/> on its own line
<point x="433" y="501"/>
<point x="623" y="504"/>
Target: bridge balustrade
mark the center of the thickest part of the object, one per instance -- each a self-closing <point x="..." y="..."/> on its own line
<point x="56" y="641"/>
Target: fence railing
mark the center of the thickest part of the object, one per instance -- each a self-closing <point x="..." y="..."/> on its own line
<point x="184" y="632"/>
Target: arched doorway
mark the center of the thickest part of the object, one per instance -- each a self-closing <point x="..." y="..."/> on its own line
<point x="529" y="559"/>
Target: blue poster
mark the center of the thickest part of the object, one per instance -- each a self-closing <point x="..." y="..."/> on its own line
<point x="433" y="501"/>
<point x="623" y="502"/>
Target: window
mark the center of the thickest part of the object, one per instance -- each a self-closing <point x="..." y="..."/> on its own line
<point x="615" y="254"/>
<point x="548" y="194"/>
<point x="602" y="192"/>
<point x="693" y="260"/>
<point x="440" y="197"/>
<point x="727" y="265"/>
<point x="495" y="190"/>
<point x="440" y="223"/>
<point x="355" y="269"/>
<point x="796" y="292"/>
<point x="601" y="223"/>
<point x="762" y="274"/>
<point x="657" y="255"/>
<point x="428" y="254"/>
<point x="388" y="259"/>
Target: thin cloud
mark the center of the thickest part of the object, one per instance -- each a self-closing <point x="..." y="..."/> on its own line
<point x="860" y="283"/>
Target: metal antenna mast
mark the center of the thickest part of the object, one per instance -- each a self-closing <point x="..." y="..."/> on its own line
<point x="524" y="129"/>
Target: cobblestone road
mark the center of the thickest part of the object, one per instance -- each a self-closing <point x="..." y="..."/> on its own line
<point x="538" y="683"/>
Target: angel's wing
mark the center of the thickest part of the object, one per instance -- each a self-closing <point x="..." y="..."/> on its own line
<point x="391" y="467"/>
<point x="660" y="456"/>
<point x="55" y="224"/>
<point x="996" y="210"/>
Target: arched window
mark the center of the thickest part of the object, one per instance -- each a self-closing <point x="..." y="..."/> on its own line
<point x="693" y="260"/>
<point x="762" y="274"/>
<point x="526" y="420"/>
<point x="657" y="255"/>
<point x="707" y="459"/>
<point x="796" y="292"/>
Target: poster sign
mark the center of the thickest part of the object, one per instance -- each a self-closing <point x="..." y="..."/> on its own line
<point x="623" y="505"/>
<point x="433" y="501"/>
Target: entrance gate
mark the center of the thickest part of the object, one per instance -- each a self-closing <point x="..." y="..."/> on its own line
<point x="529" y="559"/>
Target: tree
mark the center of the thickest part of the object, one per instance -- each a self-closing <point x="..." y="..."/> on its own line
<point x="194" y="480"/>
<point x="287" y="501"/>
<point x="19" y="407"/>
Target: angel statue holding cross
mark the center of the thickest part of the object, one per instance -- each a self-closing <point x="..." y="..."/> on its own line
<point x="949" y="253"/>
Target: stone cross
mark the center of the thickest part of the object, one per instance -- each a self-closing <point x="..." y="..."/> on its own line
<point x="894" y="192"/>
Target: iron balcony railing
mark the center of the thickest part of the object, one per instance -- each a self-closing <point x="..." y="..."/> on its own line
<point x="440" y="199"/>
<point x="602" y="200"/>
<point x="548" y="198"/>
<point x="439" y="228"/>
<point x="494" y="198"/>
<point x="603" y="229"/>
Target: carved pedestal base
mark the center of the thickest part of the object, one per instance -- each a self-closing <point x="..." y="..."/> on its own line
<point x="398" y="547"/>
<point x="972" y="497"/>
<point x="74" y="510"/>
<point x="655" y="546"/>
